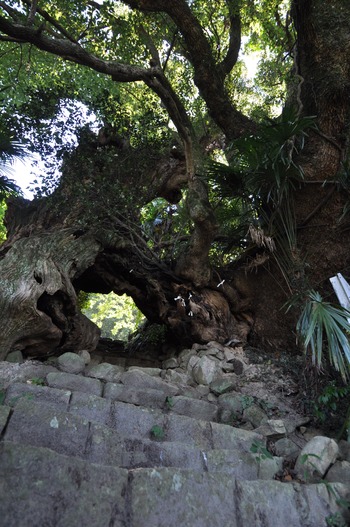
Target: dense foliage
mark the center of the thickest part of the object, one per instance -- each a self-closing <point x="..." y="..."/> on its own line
<point x="116" y="316"/>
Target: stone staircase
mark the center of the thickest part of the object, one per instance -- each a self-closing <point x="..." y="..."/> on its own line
<point x="112" y="446"/>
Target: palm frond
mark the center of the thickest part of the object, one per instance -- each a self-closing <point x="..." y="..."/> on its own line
<point x="10" y="151"/>
<point x="323" y="325"/>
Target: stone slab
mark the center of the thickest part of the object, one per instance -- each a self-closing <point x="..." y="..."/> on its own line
<point x="228" y="437"/>
<point x="11" y="372"/>
<point x="112" y="390"/>
<point x="140" y="380"/>
<point x="38" y="424"/>
<point x="39" y="487"/>
<point x="153" y="372"/>
<point x="182" y="498"/>
<point x="192" y="408"/>
<point x="134" y="421"/>
<point x="91" y="407"/>
<point x="56" y="398"/>
<point x="237" y="463"/>
<point x="4" y="415"/>
<point x="108" y="446"/>
<point x="105" y="371"/>
<point x="78" y="383"/>
<point x="183" y="429"/>
<point x="272" y="503"/>
<point x="147" y="397"/>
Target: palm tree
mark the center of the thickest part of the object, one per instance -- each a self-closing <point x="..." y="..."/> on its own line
<point x="10" y="151"/>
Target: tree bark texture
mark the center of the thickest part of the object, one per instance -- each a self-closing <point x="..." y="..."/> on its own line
<point x="81" y="238"/>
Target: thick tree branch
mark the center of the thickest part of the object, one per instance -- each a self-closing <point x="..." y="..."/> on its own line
<point x="74" y="52"/>
<point x="208" y="76"/>
<point x="235" y="40"/>
<point x="32" y="12"/>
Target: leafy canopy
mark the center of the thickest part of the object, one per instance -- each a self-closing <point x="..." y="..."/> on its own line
<point x="42" y="94"/>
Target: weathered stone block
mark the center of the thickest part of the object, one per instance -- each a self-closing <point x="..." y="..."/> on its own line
<point x="170" y="363"/>
<point x="38" y="424"/>
<point x="56" y="398"/>
<point x="193" y="408"/>
<point x="176" y="377"/>
<point x="182" y="498"/>
<point x="12" y="372"/>
<point x="180" y="428"/>
<point x="105" y="372"/>
<point x="255" y="415"/>
<point x="15" y="356"/>
<point x="272" y="429"/>
<point x="272" y="503"/>
<point x="4" y="415"/>
<point x="268" y="468"/>
<point x="184" y="357"/>
<point x="42" y="488"/>
<point x="235" y="462"/>
<point x="134" y="421"/>
<point x="223" y="385"/>
<point x="113" y="390"/>
<point x="228" y="437"/>
<point x="78" y="383"/>
<point x="286" y="448"/>
<point x="109" y="446"/>
<point x="232" y="401"/>
<point x="140" y="380"/>
<point x="90" y="407"/>
<point x="147" y="397"/>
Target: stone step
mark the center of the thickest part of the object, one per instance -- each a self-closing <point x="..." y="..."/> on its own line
<point x="134" y="421"/>
<point x="137" y="438"/>
<point x="42" y="487"/>
<point x="150" y="398"/>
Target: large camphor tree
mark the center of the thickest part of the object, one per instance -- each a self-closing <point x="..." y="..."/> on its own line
<point x="212" y="202"/>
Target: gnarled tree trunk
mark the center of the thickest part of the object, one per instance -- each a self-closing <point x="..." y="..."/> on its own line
<point x="81" y="238"/>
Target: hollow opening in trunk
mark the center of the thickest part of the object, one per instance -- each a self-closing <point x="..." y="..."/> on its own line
<point x="116" y="315"/>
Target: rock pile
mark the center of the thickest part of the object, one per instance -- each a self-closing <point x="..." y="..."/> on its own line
<point x="207" y="438"/>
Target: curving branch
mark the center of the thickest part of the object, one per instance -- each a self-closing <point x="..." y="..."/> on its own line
<point x="73" y="52"/>
<point x="235" y="40"/>
<point x="32" y="11"/>
<point x="48" y="18"/>
<point x="208" y="75"/>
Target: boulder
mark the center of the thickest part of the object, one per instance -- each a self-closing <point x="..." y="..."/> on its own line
<point x="286" y="448"/>
<point x="224" y="384"/>
<point x="15" y="356"/>
<point x="344" y="450"/>
<point x="339" y="472"/>
<point x="272" y="429"/>
<point x="85" y="355"/>
<point x="105" y="372"/>
<point x="206" y="370"/>
<point x="316" y="457"/>
<point x="170" y="363"/>
<point x="255" y="415"/>
<point x="71" y="363"/>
